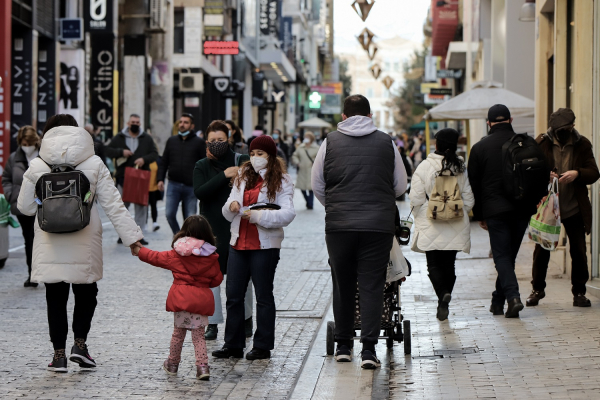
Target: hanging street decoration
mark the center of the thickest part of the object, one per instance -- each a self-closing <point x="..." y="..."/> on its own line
<point x="388" y="82"/>
<point x="372" y="51"/>
<point x="365" y="38"/>
<point x="363" y="8"/>
<point x="376" y="70"/>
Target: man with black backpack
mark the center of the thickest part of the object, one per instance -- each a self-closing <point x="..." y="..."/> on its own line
<point x="571" y="158"/>
<point x="505" y="169"/>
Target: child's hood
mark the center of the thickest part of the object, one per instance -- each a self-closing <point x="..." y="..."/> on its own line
<point x="187" y="246"/>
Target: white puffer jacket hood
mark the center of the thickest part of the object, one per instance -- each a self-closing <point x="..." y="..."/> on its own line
<point x="438" y="235"/>
<point x="74" y="257"/>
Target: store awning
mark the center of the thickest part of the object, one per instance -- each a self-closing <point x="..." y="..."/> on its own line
<point x="314" y="123"/>
<point x="208" y="68"/>
<point x="421" y="126"/>
<point x="457" y="54"/>
<point x="276" y="66"/>
<point x="444" y="20"/>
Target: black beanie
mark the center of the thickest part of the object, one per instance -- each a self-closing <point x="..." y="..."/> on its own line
<point x="448" y="135"/>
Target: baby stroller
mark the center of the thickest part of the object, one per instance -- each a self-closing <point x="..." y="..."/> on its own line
<point x="393" y="324"/>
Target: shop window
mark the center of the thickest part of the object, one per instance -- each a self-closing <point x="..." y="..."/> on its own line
<point x="178" y="31"/>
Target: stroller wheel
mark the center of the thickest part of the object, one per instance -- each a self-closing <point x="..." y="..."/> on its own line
<point x="330" y="338"/>
<point x="390" y="340"/>
<point x="407" y="344"/>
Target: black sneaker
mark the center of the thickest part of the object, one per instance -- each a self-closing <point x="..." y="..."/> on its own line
<point x="144" y="242"/>
<point x="28" y="283"/>
<point x="369" y="360"/>
<point x="343" y="354"/>
<point x="227" y="353"/>
<point x="82" y="357"/>
<point x="248" y="327"/>
<point x="119" y="241"/>
<point x="58" y="365"/>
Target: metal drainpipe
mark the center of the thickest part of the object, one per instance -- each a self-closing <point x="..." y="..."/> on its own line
<point x="596" y="142"/>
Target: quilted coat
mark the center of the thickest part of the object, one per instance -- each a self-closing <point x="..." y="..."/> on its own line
<point x="74" y="257"/>
<point x="438" y="235"/>
<point x="192" y="278"/>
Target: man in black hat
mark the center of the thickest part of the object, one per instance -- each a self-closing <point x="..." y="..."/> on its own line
<point x="504" y="219"/>
<point x="572" y="161"/>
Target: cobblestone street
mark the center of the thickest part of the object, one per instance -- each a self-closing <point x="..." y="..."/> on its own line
<point x="551" y="352"/>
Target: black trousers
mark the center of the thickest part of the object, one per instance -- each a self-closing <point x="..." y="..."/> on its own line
<point x="27" y="226"/>
<point x="577" y="248"/>
<point x="361" y="256"/>
<point x="440" y="264"/>
<point x="57" y="295"/>
<point x="153" y="198"/>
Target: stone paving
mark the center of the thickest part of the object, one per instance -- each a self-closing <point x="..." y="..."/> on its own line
<point x="131" y="331"/>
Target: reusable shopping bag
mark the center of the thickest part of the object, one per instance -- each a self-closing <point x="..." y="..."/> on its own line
<point x="5" y="217"/>
<point x="135" y="186"/>
<point x="544" y="227"/>
<point x="397" y="266"/>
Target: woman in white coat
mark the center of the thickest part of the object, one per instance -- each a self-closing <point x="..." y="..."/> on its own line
<point x="304" y="158"/>
<point x="441" y="240"/>
<point x="60" y="260"/>
<point x="256" y="237"/>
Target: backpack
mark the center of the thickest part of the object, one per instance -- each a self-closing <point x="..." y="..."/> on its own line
<point x="445" y="203"/>
<point x="525" y="171"/>
<point x="64" y="199"/>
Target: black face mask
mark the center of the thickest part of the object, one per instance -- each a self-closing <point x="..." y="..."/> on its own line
<point x="218" y="149"/>
<point x="134" y="129"/>
<point x="563" y="135"/>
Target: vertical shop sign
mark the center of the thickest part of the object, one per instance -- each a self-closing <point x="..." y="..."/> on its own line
<point x="46" y="102"/>
<point x="72" y="71"/>
<point x="21" y="83"/>
<point x="258" y="93"/>
<point x="98" y="16"/>
<point x="269" y="17"/>
<point x="101" y="83"/>
<point x="287" y="40"/>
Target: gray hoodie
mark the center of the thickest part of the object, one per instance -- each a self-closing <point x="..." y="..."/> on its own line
<point x="355" y="126"/>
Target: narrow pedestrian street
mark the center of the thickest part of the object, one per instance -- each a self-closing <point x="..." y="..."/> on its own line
<point x="552" y="351"/>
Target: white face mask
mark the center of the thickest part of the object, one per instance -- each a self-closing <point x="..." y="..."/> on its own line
<point x="29" y="150"/>
<point x="306" y="141"/>
<point x="258" y="163"/>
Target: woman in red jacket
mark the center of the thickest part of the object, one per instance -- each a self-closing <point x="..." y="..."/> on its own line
<point x="195" y="267"/>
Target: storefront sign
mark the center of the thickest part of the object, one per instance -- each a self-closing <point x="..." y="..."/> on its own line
<point x="440" y="92"/>
<point x="22" y="111"/>
<point x="286" y="37"/>
<point x="101" y="82"/>
<point x="221" y="47"/>
<point x="269" y="17"/>
<point x="213" y="17"/>
<point x="46" y="96"/>
<point x="72" y="72"/>
<point x="221" y="83"/>
<point x="98" y="15"/>
<point x="449" y="74"/>
<point x="258" y="94"/>
<point x="71" y="29"/>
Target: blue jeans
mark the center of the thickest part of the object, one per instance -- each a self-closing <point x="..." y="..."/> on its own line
<point x="180" y="193"/>
<point x="506" y="236"/>
<point x="259" y="265"/>
<point x="309" y="196"/>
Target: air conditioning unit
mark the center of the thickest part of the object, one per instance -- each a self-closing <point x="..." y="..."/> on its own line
<point x="189" y="82"/>
<point x="158" y="15"/>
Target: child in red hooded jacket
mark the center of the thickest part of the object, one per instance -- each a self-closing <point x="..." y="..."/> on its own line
<point x="195" y="267"/>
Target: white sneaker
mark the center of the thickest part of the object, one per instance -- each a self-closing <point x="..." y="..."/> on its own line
<point x="155" y="227"/>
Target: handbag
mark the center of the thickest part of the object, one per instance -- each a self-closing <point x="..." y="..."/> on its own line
<point x="135" y="186"/>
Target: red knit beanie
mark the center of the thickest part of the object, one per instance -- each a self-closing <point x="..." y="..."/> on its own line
<point x="264" y="143"/>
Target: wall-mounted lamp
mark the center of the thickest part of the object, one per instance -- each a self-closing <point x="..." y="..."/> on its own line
<point x="527" y="13"/>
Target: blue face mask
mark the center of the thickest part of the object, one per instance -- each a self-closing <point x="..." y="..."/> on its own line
<point x="275" y="137"/>
<point x="184" y="133"/>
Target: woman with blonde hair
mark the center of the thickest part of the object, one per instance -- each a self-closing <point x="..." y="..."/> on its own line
<point x="12" y="178"/>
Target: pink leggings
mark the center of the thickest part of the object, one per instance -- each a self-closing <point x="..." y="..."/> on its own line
<point x="199" y="345"/>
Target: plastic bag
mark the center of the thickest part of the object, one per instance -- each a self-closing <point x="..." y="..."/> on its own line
<point x="544" y="226"/>
<point x="397" y="266"/>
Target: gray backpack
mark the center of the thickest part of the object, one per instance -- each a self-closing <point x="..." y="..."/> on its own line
<point x="64" y="199"/>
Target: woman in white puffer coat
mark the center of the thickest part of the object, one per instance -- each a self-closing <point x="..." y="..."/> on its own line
<point x="73" y="258"/>
<point x="441" y="240"/>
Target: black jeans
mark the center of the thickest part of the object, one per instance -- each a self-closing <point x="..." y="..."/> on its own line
<point x="153" y="198"/>
<point x="259" y="265"/>
<point x="506" y="236"/>
<point x="57" y="295"/>
<point x="309" y="196"/>
<point x="27" y="226"/>
<point x="440" y="264"/>
<point x="361" y="256"/>
<point x="575" y="230"/>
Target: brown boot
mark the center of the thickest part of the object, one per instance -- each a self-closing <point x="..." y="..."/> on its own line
<point x="535" y="297"/>
<point x="203" y="372"/>
<point x="169" y="368"/>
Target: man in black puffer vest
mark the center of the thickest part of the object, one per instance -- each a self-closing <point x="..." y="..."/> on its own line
<point x="357" y="175"/>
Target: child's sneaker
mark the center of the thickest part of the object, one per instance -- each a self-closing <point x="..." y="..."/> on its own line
<point x="203" y="373"/>
<point x="169" y="368"/>
<point x="82" y="357"/>
<point x="58" y="365"/>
